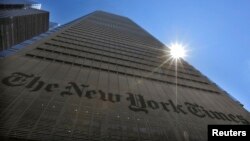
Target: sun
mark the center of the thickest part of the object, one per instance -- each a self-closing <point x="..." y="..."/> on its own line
<point x="177" y="50"/>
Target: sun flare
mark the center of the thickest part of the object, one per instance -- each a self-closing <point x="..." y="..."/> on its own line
<point x="177" y="50"/>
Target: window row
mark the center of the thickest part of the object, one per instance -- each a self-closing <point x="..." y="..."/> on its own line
<point x="153" y="51"/>
<point x="112" y="51"/>
<point x="116" y="34"/>
<point x="116" y="59"/>
<point x="111" y="67"/>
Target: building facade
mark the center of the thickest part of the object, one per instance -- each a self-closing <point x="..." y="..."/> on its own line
<point x="12" y="50"/>
<point x="103" y="77"/>
<point x="18" y="25"/>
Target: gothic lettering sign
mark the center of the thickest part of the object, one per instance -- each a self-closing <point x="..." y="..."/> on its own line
<point x="137" y="102"/>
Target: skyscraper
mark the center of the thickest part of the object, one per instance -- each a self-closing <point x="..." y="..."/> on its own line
<point x="21" y="20"/>
<point x="102" y="77"/>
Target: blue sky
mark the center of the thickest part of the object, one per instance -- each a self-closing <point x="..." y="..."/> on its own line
<point x="216" y="32"/>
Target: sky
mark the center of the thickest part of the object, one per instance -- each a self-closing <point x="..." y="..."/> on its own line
<point x="215" y="32"/>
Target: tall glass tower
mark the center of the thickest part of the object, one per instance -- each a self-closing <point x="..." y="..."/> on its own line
<point x="102" y="77"/>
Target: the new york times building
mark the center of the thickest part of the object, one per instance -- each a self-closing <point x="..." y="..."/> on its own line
<point x="102" y="77"/>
